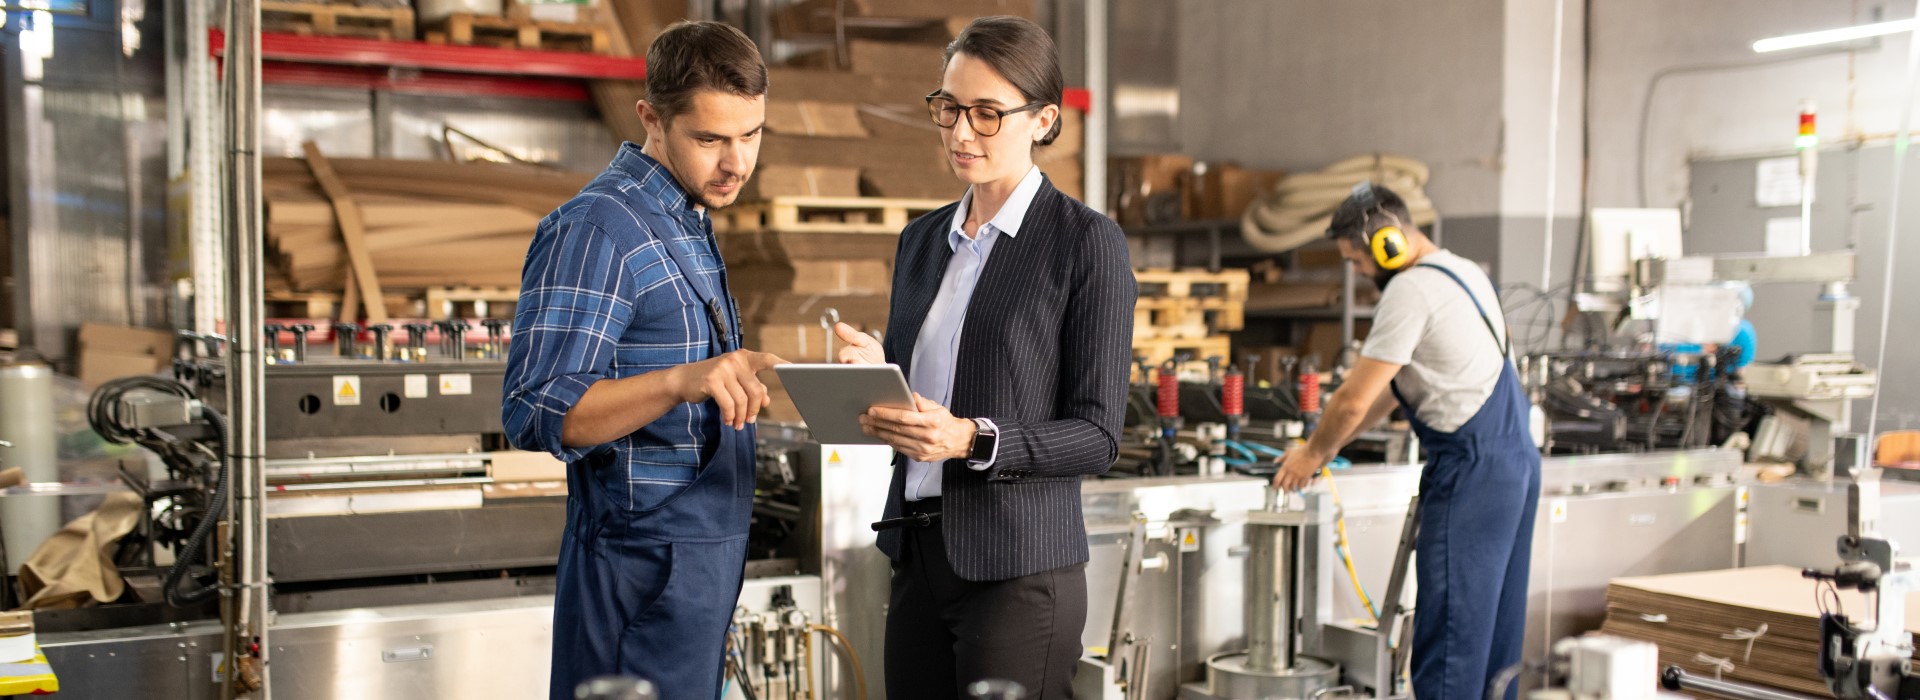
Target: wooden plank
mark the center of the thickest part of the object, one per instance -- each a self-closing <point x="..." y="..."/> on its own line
<point x="351" y="235"/>
<point x="828" y="214"/>
<point x="329" y="19"/>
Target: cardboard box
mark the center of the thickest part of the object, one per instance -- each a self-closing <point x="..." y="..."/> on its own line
<point x="1141" y="185"/>
<point x="516" y="465"/>
<point x="762" y="308"/>
<point x="796" y="342"/>
<point x="912" y="181"/>
<point x="939" y="9"/>
<point x="816" y="277"/>
<point x="1293" y="295"/>
<point x="1236" y="189"/>
<point x="771" y="181"/>
<point x="779" y="247"/>
<point x="1323" y="342"/>
<point x="126" y="340"/>
<point x="1268" y="363"/>
<point x="896" y="59"/>
<point x="781" y="149"/>
<point x="837" y="86"/>
<point x="818" y="119"/>
<point x="99" y="366"/>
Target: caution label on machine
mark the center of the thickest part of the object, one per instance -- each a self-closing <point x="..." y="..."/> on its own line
<point x="346" y="390"/>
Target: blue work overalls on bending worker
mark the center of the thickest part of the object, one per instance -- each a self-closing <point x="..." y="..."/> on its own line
<point x="1478" y="495"/>
<point x="650" y="593"/>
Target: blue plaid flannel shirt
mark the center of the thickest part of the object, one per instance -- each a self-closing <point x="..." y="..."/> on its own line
<point x="600" y="299"/>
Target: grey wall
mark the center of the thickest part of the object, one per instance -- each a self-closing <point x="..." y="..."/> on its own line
<point x="1299" y="85"/>
<point x="1715" y="99"/>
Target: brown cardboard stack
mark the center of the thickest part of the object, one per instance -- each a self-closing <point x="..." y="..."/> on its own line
<point x="426" y="223"/>
<point x="1758" y="625"/>
<point x="890" y="59"/>
<point x="1158" y="189"/>
<point x="111" y="352"/>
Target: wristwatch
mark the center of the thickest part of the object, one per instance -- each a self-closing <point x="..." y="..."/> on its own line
<point x="986" y="442"/>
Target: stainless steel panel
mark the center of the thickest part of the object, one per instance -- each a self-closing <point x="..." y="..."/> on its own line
<point x="1144" y="55"/>
<point x="1157" y="609"/>
<point x="498" y="536"/>
<point x="481" y="649"/>
<point x="1582" y="543"/>
<point x="855" y="574"/>
<point x="1796" y="523"/>
<point x="340" y="121"/>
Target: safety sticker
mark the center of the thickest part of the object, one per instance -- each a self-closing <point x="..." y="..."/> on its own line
<point x="346" y="390"/>
<point x="416" y="386"/>
<point x="1558" y="509"/>
<point x="456" y="384"/>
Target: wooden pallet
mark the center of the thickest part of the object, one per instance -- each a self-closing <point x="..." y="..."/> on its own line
<point x="325" y="19"/>
<point x="1212" y="313"/>
<point x="324" y="305"/>
<point x="827" y="214"/>
<point x="1158" y="350"/>
<point x="468" y="302"/>
<point x="1225" y="284"/>
<point x="467" y="29"/>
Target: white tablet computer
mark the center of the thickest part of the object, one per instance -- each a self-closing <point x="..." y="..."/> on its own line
<point x="832" y="397"/>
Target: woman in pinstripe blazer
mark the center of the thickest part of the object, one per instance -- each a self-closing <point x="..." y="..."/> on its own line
<point x="1012" y="317"/>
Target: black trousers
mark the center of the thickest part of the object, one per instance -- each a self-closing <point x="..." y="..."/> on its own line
<point x="945" y="632"/>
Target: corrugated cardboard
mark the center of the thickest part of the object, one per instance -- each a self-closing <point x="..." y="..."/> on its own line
<point x="912" y="180"/>
<point x="836" y="86"/>
<point x="887" y="58"/>
<point x="1323" y="341"/>
<point x="811" y="118"/>
<point x="816" y="277"/>
<point x="776" y="247"/>
<point x="516" y="465"/>
<point x="761" y="308"/>
<point x="1235" y="189"/>
<point x="126" y="340"/>
<point x="771" y="181"/>
<point x="98" y="367"/>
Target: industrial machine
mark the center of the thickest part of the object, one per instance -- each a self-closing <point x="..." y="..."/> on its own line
<point x="1283" y="612"/>
<point x="1631" y="401"/>
<point x="378" y="436"/>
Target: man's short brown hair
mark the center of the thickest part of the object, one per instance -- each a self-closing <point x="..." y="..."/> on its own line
<point x="692" y="56"/>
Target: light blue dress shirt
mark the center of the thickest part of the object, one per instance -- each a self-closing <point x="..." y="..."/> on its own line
<point x="938" y="347"/>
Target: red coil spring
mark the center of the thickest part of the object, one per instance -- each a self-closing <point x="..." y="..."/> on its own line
<point x="1310" y="392"/>
<point x="1169" y="394"/>
<point x="1233" y="394"/>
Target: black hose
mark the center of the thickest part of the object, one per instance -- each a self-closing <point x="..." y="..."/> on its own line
<point x="217" y="507"/>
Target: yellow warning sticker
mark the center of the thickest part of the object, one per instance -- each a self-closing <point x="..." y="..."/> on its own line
<point x="833" y="457"/>
<point x="1558" y="510"/>
<point x="1189" y="540"/>
<point x="346" y="390"/>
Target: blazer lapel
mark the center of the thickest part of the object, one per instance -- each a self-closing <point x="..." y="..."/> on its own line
<point x="917" y="294"/>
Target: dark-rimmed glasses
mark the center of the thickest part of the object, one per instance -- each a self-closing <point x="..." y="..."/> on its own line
<point x="985" y="120"/>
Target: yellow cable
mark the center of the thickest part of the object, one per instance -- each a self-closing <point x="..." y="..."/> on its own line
<point x="1346" y="551"/>
<point x="847" y="646"/>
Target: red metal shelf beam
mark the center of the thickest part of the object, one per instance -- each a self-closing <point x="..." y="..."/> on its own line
<point x="293" y="48"/>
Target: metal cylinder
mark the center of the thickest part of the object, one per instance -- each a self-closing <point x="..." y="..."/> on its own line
<point x="1270" y="596"/>
<point x="26" y="421"/>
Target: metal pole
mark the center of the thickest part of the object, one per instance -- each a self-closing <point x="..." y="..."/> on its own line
<point x="246" y="369"/>
<point x="1270" y="591"/>
<point x="204" y="119"/>
<point x="1095" y="150"/>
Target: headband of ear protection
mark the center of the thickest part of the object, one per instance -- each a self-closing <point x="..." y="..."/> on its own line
<point x="1388" y="243"/>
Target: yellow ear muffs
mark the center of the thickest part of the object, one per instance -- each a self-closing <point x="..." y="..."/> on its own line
<point x="1390" y="247"/>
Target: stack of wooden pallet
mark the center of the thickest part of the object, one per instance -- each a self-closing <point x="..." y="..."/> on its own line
<point x="1188" y="311"/>
<point x="370" y="20"/>
<point x="1759" y="625"/>
<point x="402" y="227"/>
<point x="582" y="28"/>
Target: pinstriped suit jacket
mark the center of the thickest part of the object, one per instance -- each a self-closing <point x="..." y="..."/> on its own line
<point x="1045" y="353"/>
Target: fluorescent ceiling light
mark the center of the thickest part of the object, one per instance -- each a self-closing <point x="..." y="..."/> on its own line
<point x="1832" y="36"/>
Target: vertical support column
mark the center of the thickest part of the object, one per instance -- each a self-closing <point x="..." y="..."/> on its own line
<point x="246" y="368"/>
<point x="204" y="128"/>
<point x="1099" y="87"/>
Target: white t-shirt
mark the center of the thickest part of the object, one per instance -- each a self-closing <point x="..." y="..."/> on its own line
<point x="1426" y="321"/>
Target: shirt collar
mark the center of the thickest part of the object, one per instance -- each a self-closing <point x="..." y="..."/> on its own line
<point x="654" y="179"/>
<point x="1008" y="219"/>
